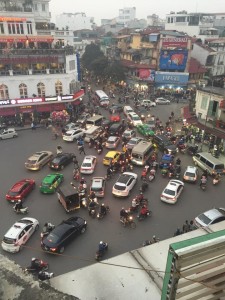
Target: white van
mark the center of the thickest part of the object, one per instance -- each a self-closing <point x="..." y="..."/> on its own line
<point x="207" y="162"/>
<point x="127" y="110"/>
<point x="94" y="121"/>
<point x="92" y="133"/>
<point x="141" y="153"/>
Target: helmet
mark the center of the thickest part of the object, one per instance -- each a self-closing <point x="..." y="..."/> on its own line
<point x="82" y="178"/>
<point x="33" y="259"/>
<point x="122" y="207"/>
<point x="19" y="201"/>
<point x="101" y="243"/>
<point x="154" y="237"/>
<point x="102" y="204"/>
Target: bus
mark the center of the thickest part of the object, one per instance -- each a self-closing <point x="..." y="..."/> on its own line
<point x="102" y="98"/>
<point x="141" y="153"/>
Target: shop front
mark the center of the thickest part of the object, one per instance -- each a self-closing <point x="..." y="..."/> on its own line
<point x="26" y="110"/>
<point x="171" y="83"/>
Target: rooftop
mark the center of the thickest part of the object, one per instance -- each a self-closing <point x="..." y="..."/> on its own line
<point x="195" y="67"/>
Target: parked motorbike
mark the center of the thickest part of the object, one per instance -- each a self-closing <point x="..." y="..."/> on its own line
<point x="43" y="275"/>
<point x="22" y="211"/>
<point x="99" y="254"/>
<point x="101" y="216"/>
<point x="150" y="242"/>
<point x="128" y="222"/>
<point x="40" y="266"/>
<point x="48" y="227"/>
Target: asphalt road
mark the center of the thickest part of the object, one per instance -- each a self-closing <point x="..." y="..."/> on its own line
<point x="81" y="252"/>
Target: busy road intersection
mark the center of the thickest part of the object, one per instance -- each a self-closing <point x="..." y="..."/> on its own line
<point x="165" y="218"/>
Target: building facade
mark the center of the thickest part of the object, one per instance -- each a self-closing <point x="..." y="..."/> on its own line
<point x="126" y="14"/>
<point x="76" y="21"/>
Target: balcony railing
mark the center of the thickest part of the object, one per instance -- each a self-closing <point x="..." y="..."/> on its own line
<point x="32" y="72"/>
<point x="45" y="52"/>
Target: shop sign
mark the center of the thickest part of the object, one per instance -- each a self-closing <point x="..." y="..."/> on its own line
<point x="173" y="59"/>
<point x="67" y="97"/>
<point x="175" y="42"/>
<point x="50" y="99"/>
<point x="26" y="100"/>
<point x="147" y="74"/>
<point x="5" y="102"/>
<point x="12" y="19"/>
<point x="171" y="77"/>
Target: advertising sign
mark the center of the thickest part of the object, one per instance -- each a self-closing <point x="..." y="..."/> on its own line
<point x="179" y="42"/>
<point x="173" y="59"/>
<point x="26" y="100"/>
<point x="147" y="74"/>
<point x="171" y="78"/>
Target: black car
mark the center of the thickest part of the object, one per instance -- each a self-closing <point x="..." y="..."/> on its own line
<point x="116" y="129"/>
<point x="63" y="234"/>
<point x="60" y="161"/>
<point x="165" y="144"/>
<point x="106" y="124"/>
<point x="116" y="108"/>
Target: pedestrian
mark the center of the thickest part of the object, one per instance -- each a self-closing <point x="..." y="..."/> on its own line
<point x="192" y="227"/>
<point x="33" y="127"/>
<point x="177" y="232"/>
<point x="186" y="227"/>
<point x="75" y="163"/>
<point x="81" y="149"/>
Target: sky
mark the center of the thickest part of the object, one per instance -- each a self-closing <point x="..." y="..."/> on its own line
<point x="108" y="9"/>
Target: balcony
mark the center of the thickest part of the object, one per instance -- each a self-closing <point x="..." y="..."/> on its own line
<point x="32" y="72"/>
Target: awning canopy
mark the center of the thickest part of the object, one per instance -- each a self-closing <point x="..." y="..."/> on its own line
<point x="22" y="39"/>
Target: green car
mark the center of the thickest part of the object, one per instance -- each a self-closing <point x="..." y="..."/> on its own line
<point x="145" y="130"/>
<point x="50" y="183"/>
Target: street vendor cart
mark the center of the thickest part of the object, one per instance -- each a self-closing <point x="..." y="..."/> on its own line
<point x="68" y="197"/>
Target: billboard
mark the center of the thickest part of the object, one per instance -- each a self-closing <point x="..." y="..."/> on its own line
<point x="173" y="59"/>
<point x="171" y="78"/>
<point x="179" y="42"/>
<point x="147" y="74"/>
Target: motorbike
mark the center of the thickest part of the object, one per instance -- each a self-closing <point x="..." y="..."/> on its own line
<point x="203" y="186"/>
<point x="22" y="211"/>
<point x="43" y="275"/>
<point x="47" y="229"/>
<point x="216" y="181"/>
<point x="144" y="187"/>
<point x="144" y="172"/>
<point x="100" y="150"/>
<point x="182" y="148"/>
<point x="130" y="167"/>
<point x="192" y="150"/>
<point x="41" y="266"/>
<point x="128" y="222"/>
<point x="143" y="217"/>
<point x="101" y="216"/>
<point x="99" y="254"/>
<point x="150" y="242"/>
<point x="164" y="172"/>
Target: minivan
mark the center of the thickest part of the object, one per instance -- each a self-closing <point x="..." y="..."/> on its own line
<point x="127" y="110"/>
<point x="116" y="129"/>
<point x="92" y="133"/>
<point x="207" y="162"/>
<point x="94" y="121"/>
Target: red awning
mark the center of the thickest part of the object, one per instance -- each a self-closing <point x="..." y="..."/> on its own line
<point x="7" y="111"/>
<point x="58" y="106"/>
<point x="44" y="108"/>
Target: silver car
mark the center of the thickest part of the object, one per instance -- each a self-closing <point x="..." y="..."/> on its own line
<point x="212" y="216"/>
<point x="112" y="142"/>
<point x="162" y="101"/>
<point x="8" y="134"/>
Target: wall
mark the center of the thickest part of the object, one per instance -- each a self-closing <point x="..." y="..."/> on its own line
<point x="74" y="21"/>
<point x="190" y="30"/>
<point x="200" y="54"/>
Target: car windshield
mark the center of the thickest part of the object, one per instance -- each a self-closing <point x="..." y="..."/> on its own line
<point x="9" y="240"/>
<point x="111" y="141"/>
<point x="32" y="161"/>
<point x="68" y="134"/>
<point x="132" y="142"/>
<point x="137" y="156"/>
<point x="126" y="133"/>
<point x="52" y="238"/>
<point x="135" y="118"/>
<point x="10" y="193"/>
<point x="204" y="219"/>
<point x="96" y="188"/>
<point x="189" y="174"/>
<point x="169" y="192"/>
<point x="119" y="187"/>
<point x="56" y="160"/>
<point x="46" y="184"/>
<point x="86" y="165"/>
<point x="219" y="167"/>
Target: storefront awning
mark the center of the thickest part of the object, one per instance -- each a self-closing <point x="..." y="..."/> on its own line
<point x="22" y="39"/>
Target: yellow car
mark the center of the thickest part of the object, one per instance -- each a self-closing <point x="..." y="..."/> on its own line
<point x="111" y="156"/>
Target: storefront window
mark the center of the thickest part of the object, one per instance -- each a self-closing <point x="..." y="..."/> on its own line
<point x="41" y="89"/>
<point x="23" y="90"/>
<point x="4" y="93"/>
<point x="58" y="88"/>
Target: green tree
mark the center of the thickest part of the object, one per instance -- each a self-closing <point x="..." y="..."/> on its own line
<point x="115" y="71"/>
<point x="92" y="52"/>
<point x="99" y="65"/>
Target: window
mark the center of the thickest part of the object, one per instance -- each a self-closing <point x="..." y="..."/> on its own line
<point x="41" y="89"/>
<point x="73" y="86"/>
<point x="1" y="28"/>
<point x="58" y="88"/>
<point x="23" y="90"/>
<point x="43" y="7"/>
<point x="35" y="6"/>
<point x="4" y="93"/>
<point x="29" y="28"/>
<point x="204" y="102"/>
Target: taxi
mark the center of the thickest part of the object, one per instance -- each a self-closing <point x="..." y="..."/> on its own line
<point x="111" y="156"/>
<point x="50" y="183"/>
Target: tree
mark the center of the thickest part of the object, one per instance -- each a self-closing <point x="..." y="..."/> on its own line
<point x="92" y="52"/>
<point x="99" y="65"/>
<point x="115" y="72"/>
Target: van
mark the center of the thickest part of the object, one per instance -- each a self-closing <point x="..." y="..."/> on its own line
<point x="94" y="121"/>
<point x="92" y="133"/>
<point x="127" y="110"/>
<point x="141" y="153"/>
<point x="207" y="162"/>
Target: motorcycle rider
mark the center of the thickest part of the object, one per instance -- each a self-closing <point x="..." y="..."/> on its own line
<point x="102" y="246"/>
<point x="35" y="264"/>
<point x="102" y="210"/>
<point x="124" y="215"/>
<point x="18" y="206"/>
<point x="144" y="185"/>
<point x="203" y="181"/>
<point x="92" y="195"/>
<point x="154" y="240"/>
<point x="144" y="211"/>
<point x="48" y="227"/>
<point x="109" y="171"/>
<point x="178" y="162"/>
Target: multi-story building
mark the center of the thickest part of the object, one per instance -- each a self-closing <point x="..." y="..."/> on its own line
<point x="199" y="25"/>
<point x="126" y="14"/>
<point x="74" y="21"/>
<point x="33" y="70"/>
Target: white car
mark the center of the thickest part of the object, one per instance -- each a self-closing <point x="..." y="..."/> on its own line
<point x="72" y="126"/>
<point x="124" y="184"/>
<point x="172" y="191"/>
<point x="88" y="164"/>
<point x="134" y="119"/>
<point x="128" y="134"/>
<point x="8" y="134"/>
<point x="162" y="101"/>
<point x="147" y="103"/>
<point x="209" y="217"/>
<point x="19" y="234"/>
<point x="191" y="174"/>
<point x="73" y="135"/>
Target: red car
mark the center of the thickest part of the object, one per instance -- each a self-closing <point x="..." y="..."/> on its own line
<point x="20" y="190"/>
<point x="115" y="118"/>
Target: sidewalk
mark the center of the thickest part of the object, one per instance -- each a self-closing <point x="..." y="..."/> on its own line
<point x="205" y="148"/>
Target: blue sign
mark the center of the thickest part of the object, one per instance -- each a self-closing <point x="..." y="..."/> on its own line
<point x="171" y="78"/>
<point x="173" y="59"/>
<point x="78" y="66"/>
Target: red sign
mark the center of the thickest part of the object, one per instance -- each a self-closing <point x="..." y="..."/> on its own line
<point x="12" y="19"/>
<point x="222" y="104"/>
<point x="175" y="42"/>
